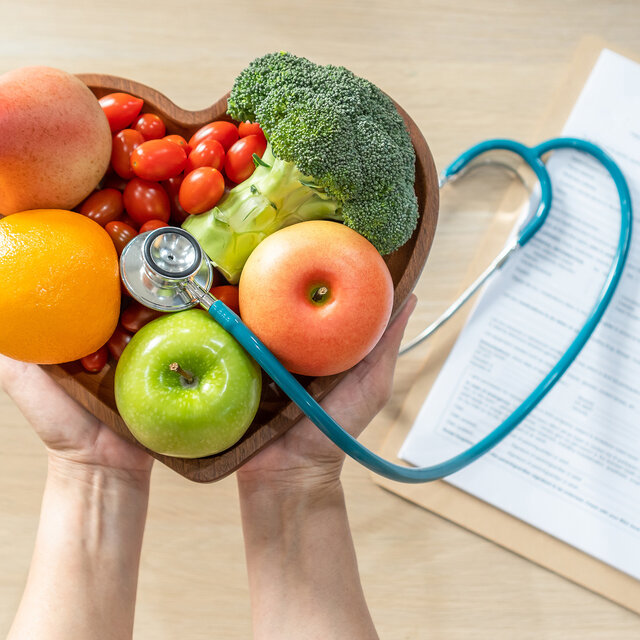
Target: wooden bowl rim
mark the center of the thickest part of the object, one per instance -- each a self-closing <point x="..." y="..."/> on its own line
<point x="226" y="462"/>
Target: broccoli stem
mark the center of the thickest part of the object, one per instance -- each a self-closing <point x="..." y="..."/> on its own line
<point x="275" y="196"/>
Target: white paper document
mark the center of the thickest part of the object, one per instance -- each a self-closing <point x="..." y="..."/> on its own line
<point x="572" y="468"/>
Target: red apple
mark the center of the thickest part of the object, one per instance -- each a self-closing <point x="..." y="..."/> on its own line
<point x="318" y="294"/>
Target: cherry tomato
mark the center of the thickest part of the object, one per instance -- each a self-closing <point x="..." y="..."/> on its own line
<point x="103" y="206"/>
<point x="239" y="165"/>
<point x="251" y="129"/>
<point x="95" y="362"/>
<point x="172" y="187"/>
<point x="201" y="189"/>
<point x="113" y="181"/>
<point x="121" y="109"/>
<point x="226" y="133"/>
<point x="229" y="295"/>
<point x="124" y="144"/>
<point x="208" y="153"/>
<point x="146" y="200"/>
<point x="158" y="160"/>
<point x="127" y="219"/>
<point x="150" y="225"/>
<point x="179" y="140"/>
<point x="150" y="126"/>
<point x="121" y="234"/>
<point x="118" y="341"/>
<point x="136" y="315"/>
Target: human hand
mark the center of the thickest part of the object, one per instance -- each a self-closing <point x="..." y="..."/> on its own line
<point x="76" y="441"/>
<point x="304" y="457"/>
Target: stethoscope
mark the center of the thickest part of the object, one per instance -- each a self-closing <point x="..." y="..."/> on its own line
<point x="167" y="270"/>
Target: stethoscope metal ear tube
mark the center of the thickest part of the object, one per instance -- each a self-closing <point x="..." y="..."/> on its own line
<point x="138" y="273"/>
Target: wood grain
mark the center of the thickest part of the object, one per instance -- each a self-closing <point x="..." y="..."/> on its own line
<point x="276" y="413"/>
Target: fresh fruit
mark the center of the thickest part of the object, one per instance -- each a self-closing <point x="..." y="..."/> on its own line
<point x="239" y="164"/>
<point x="145" y="200"/>
<point x="201" y="189"/>
<point x="62" y="295"/>
<point x="208" y="153"/>
<point x="158" y="160"/>
<point x="150" y="225"/>
<point x="185" y="387"/>
<point x="103" y="206"/>
<point x="121" y="109"/>
<point x="172" y="187"/>
<point x="179" y="140"/>
<point x="318" y="294"/>
<point x="251" y="129"/>
<point x="150" y="126"/>
<point x="125" y="142"/>
<point x="120" y="233"/>
<point x="54" y="140"/>
<point x="95" y="362"/>
<point x="226" y="133"/>
<point x="136" y="315"/>
<point x="229" y="295"/>
<point x="118" y="342"/>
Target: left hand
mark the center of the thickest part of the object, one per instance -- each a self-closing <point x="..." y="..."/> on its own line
<point x="75" y="439"/>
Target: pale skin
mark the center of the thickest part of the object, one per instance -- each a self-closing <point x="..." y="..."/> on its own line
<point x="303" y="574"/>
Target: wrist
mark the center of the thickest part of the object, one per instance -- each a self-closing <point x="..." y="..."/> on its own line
<point x="65" y="472"/>
<point x="290" y="484"/>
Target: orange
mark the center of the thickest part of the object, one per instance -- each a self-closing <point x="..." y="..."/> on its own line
<point x="60" y="294"/>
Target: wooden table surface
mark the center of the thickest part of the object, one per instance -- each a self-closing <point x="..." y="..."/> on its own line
<point x="464" y="71"/>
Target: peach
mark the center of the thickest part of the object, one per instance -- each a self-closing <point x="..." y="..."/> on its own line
<point x="318" y="294"/>
<point x="55" y="141"/>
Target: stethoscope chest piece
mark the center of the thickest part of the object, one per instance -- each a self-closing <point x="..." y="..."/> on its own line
<point x="155" y="265"/>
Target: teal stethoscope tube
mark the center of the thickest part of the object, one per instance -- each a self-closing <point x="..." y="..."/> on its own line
<point x="532" y="155"/>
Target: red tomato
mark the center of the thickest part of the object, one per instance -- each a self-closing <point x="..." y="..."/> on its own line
<point x="136" y="315"/>
<point x="103" y="206"/>
<point x="239" y="165"/>
<point x="179" y="140"/>
<point x="118" y="341"/>
<point x="150" y="126"/>
<point x="158" y="160"/>
<point x="172" y="187"/>
<point x="121" y="109"/>
<point x="229" y="295"/>
<point x="121" y="234"/>
<point x="127" y="219"/>
<point x="114" y="181"/>
<point x="250" y="129"/>
<point x="201" y="189"/>
<point x="124" y="144"/>
<point x="208" y="153"/>
<point x="150" y="225"/>
<point x="146" y="201"/>
<point x="226" y="133"/>
<point x="95" y="362"/>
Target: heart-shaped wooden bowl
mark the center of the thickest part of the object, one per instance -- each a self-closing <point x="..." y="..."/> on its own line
<point x="276" y="413"/>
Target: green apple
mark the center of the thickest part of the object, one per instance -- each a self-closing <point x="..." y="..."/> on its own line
<point x="185" y="387"/>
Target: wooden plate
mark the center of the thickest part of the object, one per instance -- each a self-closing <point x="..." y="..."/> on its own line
<point x="276" y="413"/>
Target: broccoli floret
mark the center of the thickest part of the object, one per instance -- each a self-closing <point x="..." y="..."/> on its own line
<point x="338" y="149"/>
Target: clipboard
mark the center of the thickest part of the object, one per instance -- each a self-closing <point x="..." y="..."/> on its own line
<point x="458" y="506"/>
